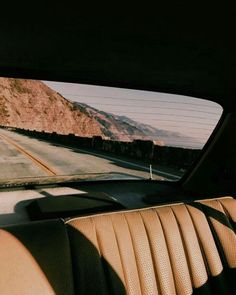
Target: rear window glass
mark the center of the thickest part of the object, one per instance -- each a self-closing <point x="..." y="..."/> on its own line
<point x="54" y="129"/>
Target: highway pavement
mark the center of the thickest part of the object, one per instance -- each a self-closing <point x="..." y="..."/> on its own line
<point x="22" y="156"/>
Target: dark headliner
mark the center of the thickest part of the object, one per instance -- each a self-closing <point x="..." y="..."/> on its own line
<point x="185" y="50"/>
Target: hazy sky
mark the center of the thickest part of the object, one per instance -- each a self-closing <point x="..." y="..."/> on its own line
<point x="191" y="116"/>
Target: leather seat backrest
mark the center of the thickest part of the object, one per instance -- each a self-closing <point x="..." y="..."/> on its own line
<point x="19" y="270"/>
<point x="175" y="249"/>
<point x="35" y="259"/>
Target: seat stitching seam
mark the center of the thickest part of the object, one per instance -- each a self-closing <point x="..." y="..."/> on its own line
<point x="199" y="242"/>
<point x="135" y="255"/>
<point x="119" y="251"/>
<point x="224" y="209"/>
<point x="216" y="238"/>
<point x="101" y="256"/>
<point x="151" y="252"/>
<point x="71" y="260"/>
<point x="226" y="212"/>
<point x="168" y="250"/>
<point x="184" y="247"/>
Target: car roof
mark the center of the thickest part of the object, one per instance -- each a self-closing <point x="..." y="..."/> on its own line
<point x="180" y="49"/>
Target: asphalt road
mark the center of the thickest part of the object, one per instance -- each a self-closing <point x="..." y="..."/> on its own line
<point x="22" y="156"/>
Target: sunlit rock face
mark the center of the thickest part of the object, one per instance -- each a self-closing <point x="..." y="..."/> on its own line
<point x="31" y="104"/>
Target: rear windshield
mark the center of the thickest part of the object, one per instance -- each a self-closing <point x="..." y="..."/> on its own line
<point x="52" y="129"/>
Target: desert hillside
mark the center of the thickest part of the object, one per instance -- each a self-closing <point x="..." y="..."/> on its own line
<point x="33" y="105"/>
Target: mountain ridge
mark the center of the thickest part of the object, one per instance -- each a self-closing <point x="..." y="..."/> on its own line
<point x="140" y="130"/>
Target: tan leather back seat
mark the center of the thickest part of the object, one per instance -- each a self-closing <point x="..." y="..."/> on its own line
<point x="175" y="249"/>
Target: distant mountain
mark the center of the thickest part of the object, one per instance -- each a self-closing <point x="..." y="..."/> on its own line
<point x="123" y="128"/>
<point x="33" y="105"/>
<point x="119" y="127"/>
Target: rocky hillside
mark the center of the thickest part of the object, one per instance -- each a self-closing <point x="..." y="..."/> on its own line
<point x="32" y="105"/>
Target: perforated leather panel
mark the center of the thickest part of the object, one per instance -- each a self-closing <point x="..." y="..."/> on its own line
<point x="175" y="249"/>
<point x="20" y="273"/>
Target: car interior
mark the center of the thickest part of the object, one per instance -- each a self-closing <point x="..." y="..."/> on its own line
<point x="93" y="234"/>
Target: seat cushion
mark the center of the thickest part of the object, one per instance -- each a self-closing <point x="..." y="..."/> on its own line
<point x="35" y="259"/>
<point x="174" y="249"/>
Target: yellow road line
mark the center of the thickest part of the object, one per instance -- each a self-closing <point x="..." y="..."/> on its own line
<point x="34" y="159"/>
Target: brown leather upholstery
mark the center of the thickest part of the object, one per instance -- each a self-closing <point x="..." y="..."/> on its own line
<point x="35" y="259"/>
<point x="175" y="249"/>
<point x="20" y="273"/>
